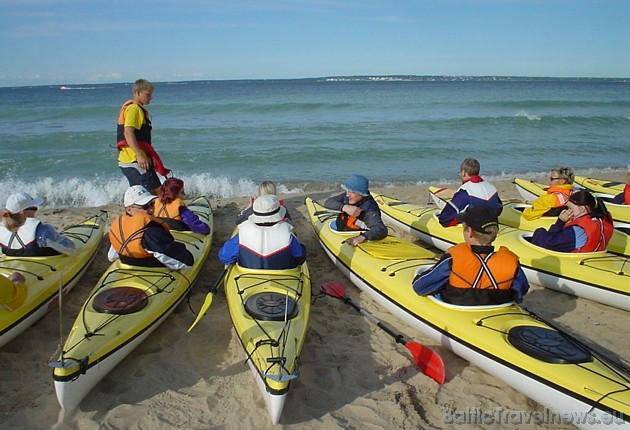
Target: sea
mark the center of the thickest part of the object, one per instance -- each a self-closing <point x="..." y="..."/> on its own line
<point x="224" y="137"/>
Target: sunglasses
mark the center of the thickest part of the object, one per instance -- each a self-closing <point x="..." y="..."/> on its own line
<point x="147" y="206"/>
<point x="551" y="178"/>
<point x="31" y="208"/>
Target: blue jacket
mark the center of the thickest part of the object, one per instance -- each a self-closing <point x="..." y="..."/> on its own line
<point x="263" y="247"/>
<point x="474" y="192"/>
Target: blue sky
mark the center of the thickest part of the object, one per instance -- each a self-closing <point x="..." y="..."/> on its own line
<point x="100" y="41"/>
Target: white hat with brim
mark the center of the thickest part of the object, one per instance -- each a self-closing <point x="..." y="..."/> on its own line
<point x="137" y="195"/>
<point x="267" y="209"/>
<point x="20" y="201"/>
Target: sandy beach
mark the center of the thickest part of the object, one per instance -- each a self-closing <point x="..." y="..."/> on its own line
<point x="353" y="375"/>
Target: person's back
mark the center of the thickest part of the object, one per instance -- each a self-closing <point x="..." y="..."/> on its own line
<point x="474" y="273"/>
<point x="171" y="209"/>
<point x="474" y="191"/>
<point x="266" y="247"/>
<point x="264" y="241"/>
<point x="140" y="239"/>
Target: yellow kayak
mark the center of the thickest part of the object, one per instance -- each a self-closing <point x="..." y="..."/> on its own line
<point x="600" y="186"/>
<point x="126" y="305"/>
<point x="46" y="277"/>
<point x="506" y="341"/>
<point x="531" y="190"/>
<point x="599" y="276"/>
<point x="512" y="215"/>
<point x="270" y="311"/>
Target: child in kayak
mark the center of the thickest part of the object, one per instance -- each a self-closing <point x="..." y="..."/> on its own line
<point x="265" y="240"/>
<point x="474" y="191"/>
<point x="171" y="209"/>
<point x="265" y="188"/>
<point x="359" y="211"/>
<point x="473" y="273"/>
<point x="140" y="239"/>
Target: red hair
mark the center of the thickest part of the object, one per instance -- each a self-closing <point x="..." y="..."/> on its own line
<point x="171" y="189"/>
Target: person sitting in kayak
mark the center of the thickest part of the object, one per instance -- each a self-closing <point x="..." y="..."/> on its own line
<point x="474" y="191"/>
<point x="359" y="211"/>
<point x="140" y="239"/>
<point x="624" y="197"/>
<point x="171" y="209"/>
<point x="265" y="240"/>
<point x="585" y="226"/>
<point x="265" y="188"/>
<point x="21" y="234"/>
<point x="554" y="202"/>
<point x="473" y="273"/>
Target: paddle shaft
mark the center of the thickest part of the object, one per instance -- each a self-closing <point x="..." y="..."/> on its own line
<point x="398" y="337"/>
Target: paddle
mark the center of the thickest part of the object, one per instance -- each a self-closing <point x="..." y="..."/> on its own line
<point x="206" y="304"/>
<point x="426" y="359"/>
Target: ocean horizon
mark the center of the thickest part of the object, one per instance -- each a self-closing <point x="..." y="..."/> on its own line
<point x="225" y="136"/>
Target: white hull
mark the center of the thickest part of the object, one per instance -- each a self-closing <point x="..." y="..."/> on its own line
<point x="70" y="393"/>
<point x="528" y="384"/>
<point x="274" y="402"/>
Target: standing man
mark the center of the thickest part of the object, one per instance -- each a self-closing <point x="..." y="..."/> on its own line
<point x="136" y="157"/>
<point x="473" y="192"/>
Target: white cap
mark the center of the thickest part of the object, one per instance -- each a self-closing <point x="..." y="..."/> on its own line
<point x="267" y="209"/>
<point x="20" y="201"/>
<point x="137" y="195"/>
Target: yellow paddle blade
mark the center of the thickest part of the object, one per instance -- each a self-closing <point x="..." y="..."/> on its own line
<point x="203" y="310"/>
<point x="392" y="248"/>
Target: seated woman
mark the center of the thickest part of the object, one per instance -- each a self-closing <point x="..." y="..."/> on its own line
<point x="554" y="202"/>
<point x="21" y="234"/>
<point x="585" y="226"/>
<point x="171" y="209"/>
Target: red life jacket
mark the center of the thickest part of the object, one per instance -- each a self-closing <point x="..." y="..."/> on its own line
<point x="598" y="232"/>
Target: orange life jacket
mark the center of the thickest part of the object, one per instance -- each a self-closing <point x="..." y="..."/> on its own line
<point x="168" y="210"/>
<point x="470" y="270"/>
<point x="598" y="232"/>
<point x="347" y="222"/>
<point x="142" y="135"/>
<point x="480" y="279"/>
<point x="126" y="234"/>
<point x="561" y="193"/>
<point x="169" y="213"/>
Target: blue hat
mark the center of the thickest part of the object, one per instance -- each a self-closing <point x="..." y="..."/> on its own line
<point x="357" y="184"/>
